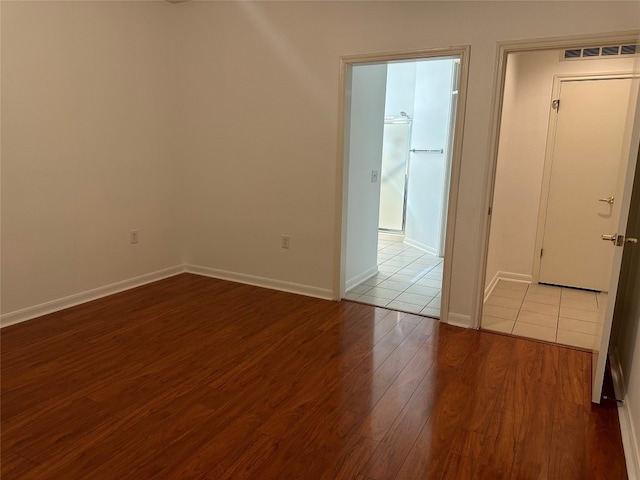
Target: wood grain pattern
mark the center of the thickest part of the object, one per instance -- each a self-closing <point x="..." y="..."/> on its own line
<point x="192" y="377"/>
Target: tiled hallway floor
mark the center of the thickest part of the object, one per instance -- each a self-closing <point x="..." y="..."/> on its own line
<point x="408" y="279"/>
<point x="555" y="314"/>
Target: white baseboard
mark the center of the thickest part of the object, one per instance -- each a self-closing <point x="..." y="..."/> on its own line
<point x="630" y="442"/>
<point x="421" y="246"/>
<point x="290" y="287"/>
<point x="516" y="277"/>
<point x="391" y="237"/>
<point x="358" y="279"/>
<point x="28" y="313"/>
<point x="507" y="276"/>
<point x="491" y="285"/>
<point x="459" y="320"/>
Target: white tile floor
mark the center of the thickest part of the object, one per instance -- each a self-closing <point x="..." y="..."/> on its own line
<point x="555" y="314"/>
<point x="408" y="280"/>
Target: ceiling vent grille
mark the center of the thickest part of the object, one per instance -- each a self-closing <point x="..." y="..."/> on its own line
<point x="597" y="52"/>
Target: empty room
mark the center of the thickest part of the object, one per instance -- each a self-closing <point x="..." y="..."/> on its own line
<point x="175" y="219"/>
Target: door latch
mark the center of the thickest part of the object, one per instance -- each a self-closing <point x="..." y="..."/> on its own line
<point x="608" y="200"/>
<point x="619" y="240"/>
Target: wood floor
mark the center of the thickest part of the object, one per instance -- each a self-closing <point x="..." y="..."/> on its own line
<point x="194" y="378"/>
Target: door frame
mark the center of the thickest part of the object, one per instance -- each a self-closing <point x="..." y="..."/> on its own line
<point x="342" y="158"/>
<point x="551" y="137"/>
<point x="497" y="98"/>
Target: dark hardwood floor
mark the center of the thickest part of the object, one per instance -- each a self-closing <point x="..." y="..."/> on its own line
<point x="194" y="378"/>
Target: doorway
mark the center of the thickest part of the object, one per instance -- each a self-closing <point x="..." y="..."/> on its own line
<point x="562" y="134"/>
<point x="393" y="247"/>
<point x="517" y="301"/>
<point x="420" y="102"/>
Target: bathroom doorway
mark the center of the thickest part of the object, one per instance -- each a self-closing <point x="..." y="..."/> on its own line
<point x="420" y="103"/>
<point x="400" y="145"/>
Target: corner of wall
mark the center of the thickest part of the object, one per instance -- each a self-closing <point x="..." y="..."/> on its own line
<point x="300" y="289"/>
<point x="459" y="320"/>
<point x="46" y="308"/>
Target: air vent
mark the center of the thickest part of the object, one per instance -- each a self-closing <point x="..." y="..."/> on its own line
<point x="591" y="52"/>
<point x="598" y="52"/>
<point x="575" y="53"/>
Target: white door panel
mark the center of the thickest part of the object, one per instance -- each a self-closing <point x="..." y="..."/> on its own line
<point x="628" y="166"/>
<point x="586" y="161"/>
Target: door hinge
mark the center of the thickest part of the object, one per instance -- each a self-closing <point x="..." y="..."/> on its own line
<point x="490" y="210"/>
<point x="541" y="251"/>
<point x="556" y="105"/>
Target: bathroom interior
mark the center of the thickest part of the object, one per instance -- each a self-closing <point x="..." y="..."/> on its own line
<point x="419" y="113"/>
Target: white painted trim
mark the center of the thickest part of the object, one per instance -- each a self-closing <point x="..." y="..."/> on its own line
<point x="514" y="277"/>
<point x="454" y="183"/>
<point x="358" y="279"/>
<point x="421" y="246"/>
<point x="29" y="313"/>
<point x="300" y="289"/>
<point x="630" y="441"/>
<point x="459" y="320"/>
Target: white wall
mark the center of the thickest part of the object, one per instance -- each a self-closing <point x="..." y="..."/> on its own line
<point x="366" y="99"/>
<point x="427" y="170"/>
<point x="276" y="84"/>
<point x="523" y="137"/>
<point x="249" y="105"/>
<point x="88" y="150"/>
<point x="401" y="88"/>
<point x="122" y="115"/>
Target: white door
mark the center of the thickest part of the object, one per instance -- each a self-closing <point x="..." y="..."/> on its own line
<point x="629" y="158"/>
<point x="583" y="199"/>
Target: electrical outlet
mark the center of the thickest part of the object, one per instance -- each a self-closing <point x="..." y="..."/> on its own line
<point x="285" y="241"/>
<point x="374" y="176"/>
<point x="133" y="236"/>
